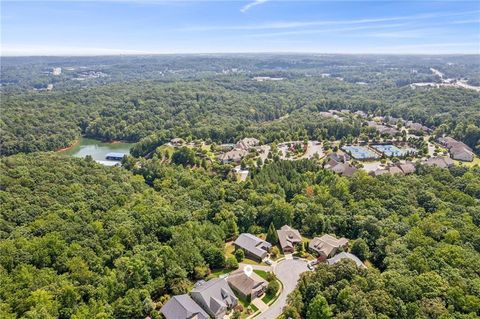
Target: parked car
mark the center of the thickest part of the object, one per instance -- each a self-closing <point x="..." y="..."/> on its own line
<point x="268" y="262"/>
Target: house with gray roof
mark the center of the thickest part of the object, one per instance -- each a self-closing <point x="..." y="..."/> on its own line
<point x="215" y="297"/>
<point x="344" y="255"/>
<point x="327" y="245"/>
<point x="253" y="246"/>
<point x="288" y="238"/>
<point x="248" y="287"/>
<point x="183" y="307"/>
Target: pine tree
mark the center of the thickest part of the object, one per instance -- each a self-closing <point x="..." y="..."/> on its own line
<point x="272" y="236"/>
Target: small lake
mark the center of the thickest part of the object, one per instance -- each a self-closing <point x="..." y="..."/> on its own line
<point x="98" y="150"/>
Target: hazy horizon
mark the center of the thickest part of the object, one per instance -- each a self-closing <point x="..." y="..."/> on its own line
<point x="88" y="28"/>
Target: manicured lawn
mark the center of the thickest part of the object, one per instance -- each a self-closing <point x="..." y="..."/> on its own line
<point x="250" y="261"/>
<point x="218" y="272"/>
<point x="267" y="298"/>
<point x="261" y="273"/>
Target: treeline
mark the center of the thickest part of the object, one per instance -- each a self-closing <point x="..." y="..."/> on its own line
<point x="79" y="240"/>
<point x="222" y="111"/>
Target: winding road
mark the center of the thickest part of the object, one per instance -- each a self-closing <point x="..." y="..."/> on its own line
<point x="288" y="272"/>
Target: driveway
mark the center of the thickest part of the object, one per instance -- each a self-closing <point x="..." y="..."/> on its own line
<point x="288" y="272"/>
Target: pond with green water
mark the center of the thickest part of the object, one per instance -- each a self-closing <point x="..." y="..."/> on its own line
<point x="98" y="150"/>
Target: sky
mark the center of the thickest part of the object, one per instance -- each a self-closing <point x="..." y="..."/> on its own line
<point x="151" y="27"/>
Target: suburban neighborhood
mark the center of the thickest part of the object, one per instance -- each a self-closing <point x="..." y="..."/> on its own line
<point x="246" y="292"/>
<point x="392" y="146"/>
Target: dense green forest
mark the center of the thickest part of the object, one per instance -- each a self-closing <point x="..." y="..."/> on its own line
<point x="221" y="110"/>
<point x="79" y="240"/>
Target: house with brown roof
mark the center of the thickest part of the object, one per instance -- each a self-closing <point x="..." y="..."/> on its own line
<point x="326" y="246"/>
<point x="247" y="286"/>
<point x="458" y="150"/>
<point x="288" y="238"/>
<point x="407" y="168"/>
<point x="344" y="169"/>
<point x="247" y="143"/>
<point x="394" y="170"/>
<point x="233" y="156"/>
<point x="440" y="161"/>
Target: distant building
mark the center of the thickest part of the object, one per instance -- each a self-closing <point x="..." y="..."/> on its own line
<point x="115" y="156"/>
<point x="288" y="238"/>
<point x="247" y="143"/>
<point x="394" y="170"/>
<point x="177" y="141"/>
<point x="327" y="245"/>
<point x="458" y="150"/>
<point x="233" y="156"/>
<point x="215" y="297"/>
<point x="183" y="307"/>
<point x="344" y="255"/>
<point x="442" y="162"/>
<point x="248" y="287"/>
<point x="253" y="246"/>
<point x="57" y="71"/>
<point x="344" y="169"/>
<point x="266" y="78"/>
<point x="407" y="168"/>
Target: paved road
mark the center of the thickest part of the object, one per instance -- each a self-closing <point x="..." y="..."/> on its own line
<point x="288" y="272"/>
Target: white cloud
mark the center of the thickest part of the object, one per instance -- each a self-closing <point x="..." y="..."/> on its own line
<point x="247" y="7"/>
<point x="306" y="24"/>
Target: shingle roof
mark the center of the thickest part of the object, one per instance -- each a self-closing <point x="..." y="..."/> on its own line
<point x="288" y="237"/>
<point x="243" y="283"/>
<point x="326" y="244"/>
<point x="439" y="161"/>
<point x="253" y="244"/>
<point x="183" y="307"/>
<point x="344" y="255"/>
<point x="216" y="294"/>
<point x="407" y="168"/>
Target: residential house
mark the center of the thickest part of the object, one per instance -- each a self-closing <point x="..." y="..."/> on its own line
<point x="183" y="307"/>
<point x="253" y="246"/>
<point x="407" y="168"/>
<point x="461" y="153"/>
<point x="440" y="161"/>
<point x="344" y="169"/>
<point x="458" y="150"/>
<point x="327" y="245"/>
<point x="214" y="296"/>
<point x="247" y="143"/>
<point x="288" y="238"/>
<point x="233" y="156"/>
<point x="344" y="255"/>
<point x="247" y="287"/>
